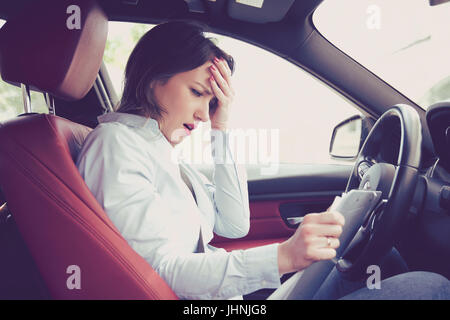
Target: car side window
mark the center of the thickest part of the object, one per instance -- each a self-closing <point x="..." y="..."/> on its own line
<point x="11" y="101"/>
<point x="281" y="113"/>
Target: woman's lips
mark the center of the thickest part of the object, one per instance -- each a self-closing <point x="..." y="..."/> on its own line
<point x="188" y="132"/>
<point x="190" y="126"/>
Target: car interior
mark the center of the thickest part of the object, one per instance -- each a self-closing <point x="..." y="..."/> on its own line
<point x="49" y="220"/>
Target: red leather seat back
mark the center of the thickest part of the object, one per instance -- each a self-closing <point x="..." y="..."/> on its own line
<point x="60" y="220"/>
<point x="39" y="46"/>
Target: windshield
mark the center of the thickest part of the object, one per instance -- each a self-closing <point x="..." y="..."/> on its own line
<point x="404" y="42"/>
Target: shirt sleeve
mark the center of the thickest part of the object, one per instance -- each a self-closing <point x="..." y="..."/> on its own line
<point x="229" y="190"/>
<point x="221" y="274"/>
<point x="113" y="168"/>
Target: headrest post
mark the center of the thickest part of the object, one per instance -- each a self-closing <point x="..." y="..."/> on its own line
<point x="26" y="98"/>
<point x="102" y="95"/>
<point x="50" y="103"/>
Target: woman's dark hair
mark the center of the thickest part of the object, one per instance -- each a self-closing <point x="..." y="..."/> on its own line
<point x="165" y="50"/>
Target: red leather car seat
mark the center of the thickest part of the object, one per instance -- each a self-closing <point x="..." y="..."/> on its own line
<point x="56" y="214"/>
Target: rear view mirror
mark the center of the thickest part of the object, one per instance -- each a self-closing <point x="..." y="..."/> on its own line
<point x="346" y="139"/>
<point x="437" y="2"/>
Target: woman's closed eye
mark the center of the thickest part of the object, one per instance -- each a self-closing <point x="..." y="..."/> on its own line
<point x="212" y="102"/>
<point x="195" y="92"/>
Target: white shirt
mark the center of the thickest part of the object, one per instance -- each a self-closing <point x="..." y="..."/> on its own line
<point x="129" y="166"/>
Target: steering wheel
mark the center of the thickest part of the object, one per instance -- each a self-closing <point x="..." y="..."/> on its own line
<point x="390" y="158"/>
<point x="394" y="148"/>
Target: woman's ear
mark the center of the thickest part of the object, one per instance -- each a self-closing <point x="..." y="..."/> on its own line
<point x="151" y="92"/>
<point x="156" y="83"/>
<point x="152" y="84"/>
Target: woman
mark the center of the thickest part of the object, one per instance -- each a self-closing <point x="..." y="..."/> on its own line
<point x="166" y="210"/>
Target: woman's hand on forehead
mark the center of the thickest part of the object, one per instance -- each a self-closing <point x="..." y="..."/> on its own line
<point x="223" y="90"/>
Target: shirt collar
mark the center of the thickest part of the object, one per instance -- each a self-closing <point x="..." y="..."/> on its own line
<point x="150" y="128"/>
<point x="131" y="120"/>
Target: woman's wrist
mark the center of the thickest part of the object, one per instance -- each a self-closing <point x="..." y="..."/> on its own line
<point x="284" y="261"/>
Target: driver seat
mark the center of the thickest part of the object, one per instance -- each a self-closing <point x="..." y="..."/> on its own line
<point x="78" y="251"/>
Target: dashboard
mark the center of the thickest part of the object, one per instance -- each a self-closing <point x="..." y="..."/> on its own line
<point x="386" y="146"/>
<point x="426" y="242"/>
<point x="438" y="120"/>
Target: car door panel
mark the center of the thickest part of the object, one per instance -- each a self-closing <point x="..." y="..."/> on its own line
<point x="306" y="192"/>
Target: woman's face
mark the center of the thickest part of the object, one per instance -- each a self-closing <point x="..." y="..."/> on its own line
<point x="185" y="97"/>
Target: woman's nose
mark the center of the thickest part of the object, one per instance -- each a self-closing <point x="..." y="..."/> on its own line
<point x="203" y="112"/>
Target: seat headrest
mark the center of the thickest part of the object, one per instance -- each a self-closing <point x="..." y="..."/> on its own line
<point x="55" y="46"/>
